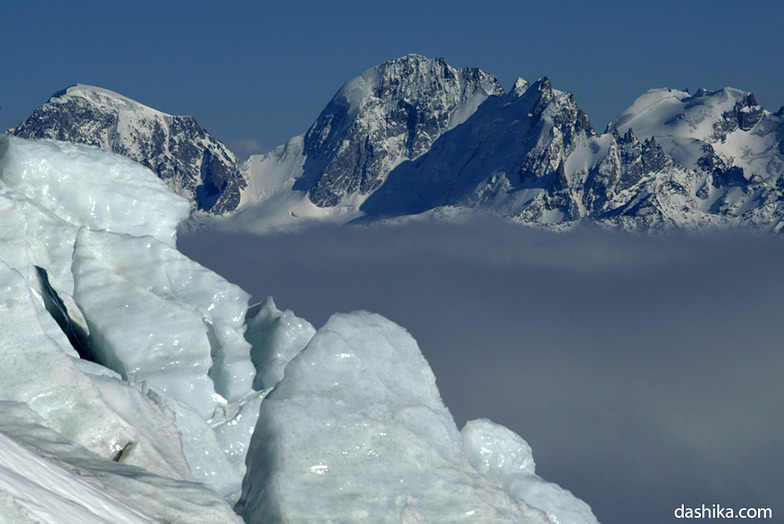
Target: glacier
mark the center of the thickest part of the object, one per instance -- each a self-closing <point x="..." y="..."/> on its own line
<point x="138" y="386"/>
<point x="506" y="460"/>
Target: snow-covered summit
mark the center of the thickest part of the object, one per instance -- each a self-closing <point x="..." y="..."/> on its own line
<point x="727" y="121"/>
<point x="177" y="148"/>
<point x="520" y="86"/>
<point x="104" y="97"/>
<point x="390" y="114"/>
<point x="416" y="136"/>
<point x="508" y="157"/>
<point x="726" y="151"/>
<point x="706" y="115"/>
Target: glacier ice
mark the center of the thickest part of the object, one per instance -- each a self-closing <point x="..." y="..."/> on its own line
<point x="85" y="403"/>
<point x="33" y="236"/>
<point x="49" y="189"/>
<point x="234" y="425"/>
<point x="42" y="258"/>
<point x="45" y="477"/>
<point x="495" y="451"/>
<point x="505" y="459"/>
<point x="37" y="372"/>
<point x="134" y="331"/>
<point x="358" y="412"/>
<point x="151" y="422"/>
<point x="155" y="315"/>
<point x="91" y="187"/>
<point x="276" y="337"/>
<point x="34" y="490"/>
<point x="207" y="460"/>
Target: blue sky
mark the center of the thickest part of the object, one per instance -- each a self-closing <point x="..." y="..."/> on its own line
<point x="256" y="73"/>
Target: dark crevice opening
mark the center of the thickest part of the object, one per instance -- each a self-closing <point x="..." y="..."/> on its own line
<point x="55" y="306"/>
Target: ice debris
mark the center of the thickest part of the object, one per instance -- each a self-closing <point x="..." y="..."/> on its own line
<point x="358" y="412"/>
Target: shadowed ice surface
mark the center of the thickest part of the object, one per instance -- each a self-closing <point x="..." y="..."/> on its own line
<point x="644" y="372"/>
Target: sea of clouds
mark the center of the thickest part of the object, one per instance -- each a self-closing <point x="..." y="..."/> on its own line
<point x="643" y="370"/>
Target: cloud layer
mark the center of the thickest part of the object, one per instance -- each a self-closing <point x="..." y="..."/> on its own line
<point x="643" y="371"/>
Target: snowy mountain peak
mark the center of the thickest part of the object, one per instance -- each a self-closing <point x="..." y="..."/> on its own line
<point x="553" y="106"/>
<point x="391" y="113"/>
<point x="649" y="104"/>
<point x="543" y="84"/>
<point x="177" y="148"/>
<point x="728" y="120"/>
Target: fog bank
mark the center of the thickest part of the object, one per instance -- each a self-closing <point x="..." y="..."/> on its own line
<point x="645" y="372"/>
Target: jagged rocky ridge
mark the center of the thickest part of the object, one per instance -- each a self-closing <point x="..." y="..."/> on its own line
<point x="177" y="148"/>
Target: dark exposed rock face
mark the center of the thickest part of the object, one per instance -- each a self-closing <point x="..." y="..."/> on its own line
<point x="556" y="115"/>
<point x="514" y="144"/>
<point x="177" y="148"/>
<point x="628" y="163"/>
<point x="391" y="113"/>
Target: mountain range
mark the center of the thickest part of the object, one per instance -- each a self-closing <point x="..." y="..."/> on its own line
<point x="417" y="137"/>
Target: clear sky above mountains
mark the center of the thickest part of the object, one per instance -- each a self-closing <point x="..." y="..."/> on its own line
<point x="256" y="73"/>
